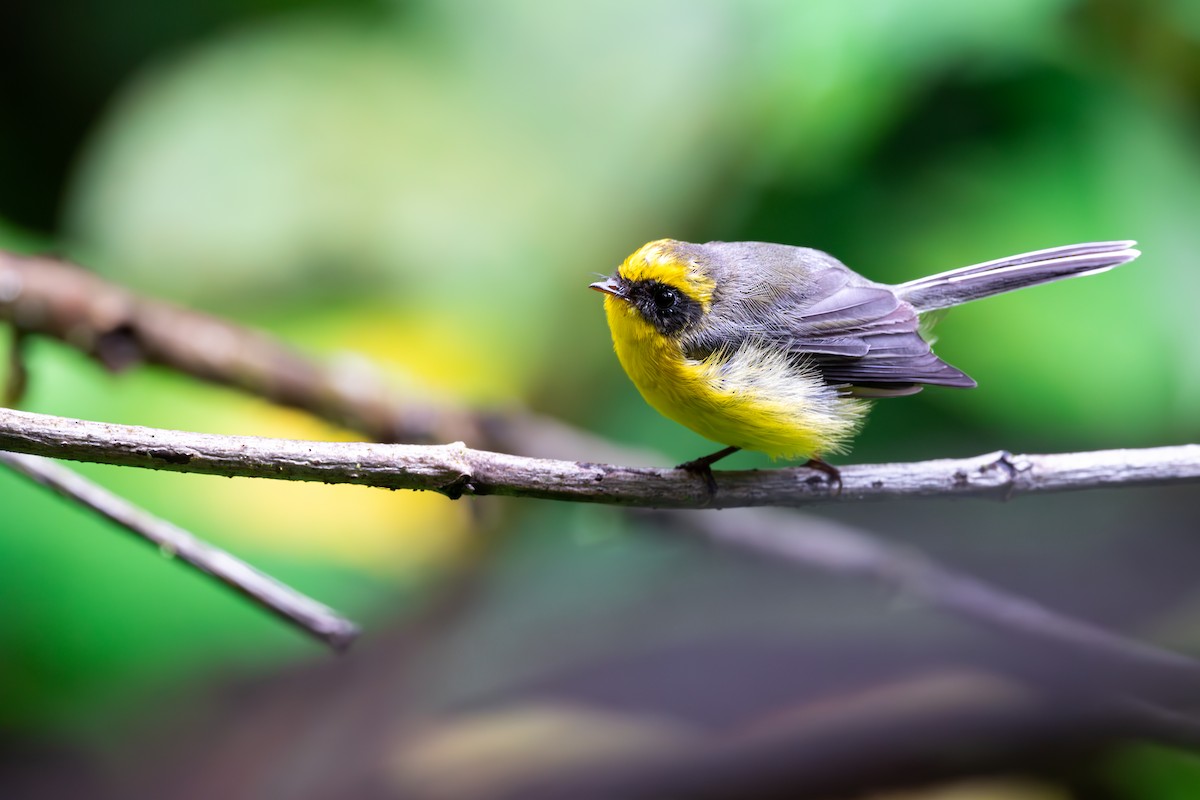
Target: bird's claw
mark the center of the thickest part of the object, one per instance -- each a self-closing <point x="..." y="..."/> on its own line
<point x="703" y="469"/>
<point x="831" y="472"/>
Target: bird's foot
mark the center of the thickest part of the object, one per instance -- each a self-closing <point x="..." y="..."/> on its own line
<point x="702" y="467"/>
<point x="831" y="472"/>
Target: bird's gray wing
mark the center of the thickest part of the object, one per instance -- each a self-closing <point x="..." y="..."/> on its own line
<point x="853" y="331"/>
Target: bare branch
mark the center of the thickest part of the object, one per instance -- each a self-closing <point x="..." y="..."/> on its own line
<point x="308" y="615"/>
<point x="455" y="469"/>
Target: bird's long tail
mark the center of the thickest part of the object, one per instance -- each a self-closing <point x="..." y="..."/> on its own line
<point x="1015" y="272"/>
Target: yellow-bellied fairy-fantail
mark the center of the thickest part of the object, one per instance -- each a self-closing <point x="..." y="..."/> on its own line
<point x="778" y="349"/>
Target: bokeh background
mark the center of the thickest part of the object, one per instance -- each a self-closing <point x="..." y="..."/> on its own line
<point x="431" y="185"/>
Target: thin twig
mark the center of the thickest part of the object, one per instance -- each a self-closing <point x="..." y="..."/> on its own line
<point x="308" y="615"/>
<point x="455" y="470"/>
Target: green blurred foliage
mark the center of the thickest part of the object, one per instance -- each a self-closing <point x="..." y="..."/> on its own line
<point x="433" y="185"/>
<point x="1155" y="772"/>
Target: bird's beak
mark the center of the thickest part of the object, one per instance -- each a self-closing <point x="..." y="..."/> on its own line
<point x="609" y="286"/>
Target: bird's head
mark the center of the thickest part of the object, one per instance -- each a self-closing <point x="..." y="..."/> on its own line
<point x="664" y="286"/>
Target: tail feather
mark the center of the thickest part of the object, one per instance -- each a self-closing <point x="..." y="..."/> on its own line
<point x="1015" y="272"/>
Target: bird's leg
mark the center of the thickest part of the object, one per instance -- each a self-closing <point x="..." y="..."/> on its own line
<point x="703" y="467"/>
<point x="832" y="472"/>
<point x="706" y="462"/>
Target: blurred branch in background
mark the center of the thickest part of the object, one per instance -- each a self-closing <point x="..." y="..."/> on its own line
<point x="121" y="330"/>
<point x="1115" y="664"/>
<point x="315" y="619"/>
<point x="913" y="731"/>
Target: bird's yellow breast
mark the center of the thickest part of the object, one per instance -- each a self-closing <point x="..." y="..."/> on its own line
<point x="752" y="398"/>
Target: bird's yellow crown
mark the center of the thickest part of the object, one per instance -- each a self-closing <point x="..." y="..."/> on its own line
<point x="667" y="261"/>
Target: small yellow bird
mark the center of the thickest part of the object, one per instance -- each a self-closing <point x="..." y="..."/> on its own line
<point x="778" y="349"/>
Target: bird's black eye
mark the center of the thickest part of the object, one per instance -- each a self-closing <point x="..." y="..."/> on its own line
<point x="665" y="298"/>
<point x="664" y="306"/>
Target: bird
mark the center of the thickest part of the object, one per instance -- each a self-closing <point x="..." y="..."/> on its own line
<point x="782" y="349"/>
